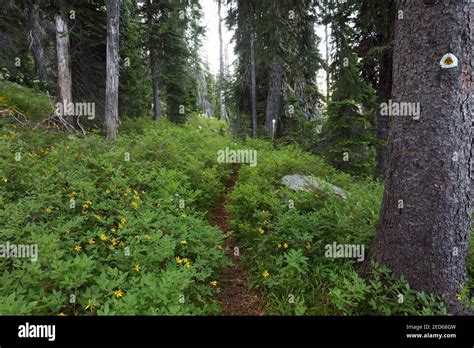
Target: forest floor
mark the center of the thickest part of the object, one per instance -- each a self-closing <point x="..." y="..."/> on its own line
<point x="236" y="298"/>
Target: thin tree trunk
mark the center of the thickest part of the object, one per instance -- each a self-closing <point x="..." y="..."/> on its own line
<point x="425" y="220"/>
<point x="253" y="84"/>
<point x="36" y="35"/>
<point x="222" y="107"/>
<point x="328" y="75"/>
<point x="154" y="65"/>
<point x="112" y="82"/>
<point x="203" y="100"/>
<point x="64" y="81"/>
<point x="274" y="95"/>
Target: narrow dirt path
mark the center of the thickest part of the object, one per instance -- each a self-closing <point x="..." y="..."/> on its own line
<point x="235" y="297"/>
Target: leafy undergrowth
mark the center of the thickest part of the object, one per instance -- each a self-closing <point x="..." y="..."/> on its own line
<point x="121" y="227"/>
<point x="33" y="104"/>
<point x="286" y="233"/>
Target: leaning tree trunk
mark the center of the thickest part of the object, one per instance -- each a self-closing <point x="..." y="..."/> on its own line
<point x="36" y="35"/>
<point x="425" y="220"/>
<point x="153" y="64"/>
<point x="274" y="96"/>
<point x="253" y="84"/>
<point x="64" y="81"/>
<point x="112" y="81"/>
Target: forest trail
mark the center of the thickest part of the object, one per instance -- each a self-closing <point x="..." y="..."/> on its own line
<point x="236" y="298"/>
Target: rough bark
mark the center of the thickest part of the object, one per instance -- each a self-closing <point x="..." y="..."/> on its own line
<point x="64" y="80"/>
<point x="426" y="239"/>
<point x="274" y="95"/>
<point x="154" y="62"/>
<point x="36" y="34"/>
<point x="384" y="94"/>
<point x="112" y="81"/>
<point x="253" y="84"/>
<point x="203" y="100"/>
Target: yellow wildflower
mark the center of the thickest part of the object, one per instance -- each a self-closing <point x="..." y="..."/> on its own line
<point x="61" y="314"/>
<point x="91" y="241"/>
<point x="178" y="260"/>
<point x="78" y="248"/>
<point x="214" y="283"/>
<point x="261" y="230"/>
<point x="265" y="274"/>
<point x="134" y="204"/>
<point x="49" y="210"/>
<point x="103" y="237"/>
<point x="113" y="229"/>
<point x="107" y="191"/>
<point x="285" y="246"/>
<point x="137" y="267"/>
<point x="459" y="297"/>
<point x="98" y="217"/>
<point x="188" y="264"/>
<point x="183" y="242"/>
<point x="183" y="216"/>
<point x="118" y="293"/>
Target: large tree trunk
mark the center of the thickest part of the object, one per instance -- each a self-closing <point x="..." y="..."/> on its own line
<point x="253" y="84"/>
<point x="64" y="81"/>
<point x="425" y="220"/>
<point x="384" y="94"/>
<point x="274" y="95"/>
<point x="153" y="65"/>
<point x="36" y="35"/>
<point x="112" y="82"/>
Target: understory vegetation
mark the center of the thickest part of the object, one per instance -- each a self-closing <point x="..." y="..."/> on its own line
<point x="126" y="229"/>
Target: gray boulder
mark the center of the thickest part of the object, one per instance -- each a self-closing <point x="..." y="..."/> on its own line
<point x="308" y="183"/>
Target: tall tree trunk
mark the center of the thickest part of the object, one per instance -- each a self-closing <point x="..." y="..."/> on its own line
<point x="203" y="100"/>
<point x="425" y="220"/>
<point x="112" y="81"/>
<point x="64" y="64"/>
<point x="36" y="35"/>
<point x="384" y="94"/>
<point x="328" y="75"/>
<point x="274" y="95"/>
<point x="222" y="107"/>
<point x="153" y="65"/>
<point x="253" y="83"/>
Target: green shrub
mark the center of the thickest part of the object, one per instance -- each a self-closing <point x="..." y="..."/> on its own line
<point x="114" y="236"/>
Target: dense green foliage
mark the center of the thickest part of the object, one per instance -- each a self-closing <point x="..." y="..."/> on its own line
<point x="286" y="245"/>
<point x="83" y="204"/>
<point x="34" y="105"/>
